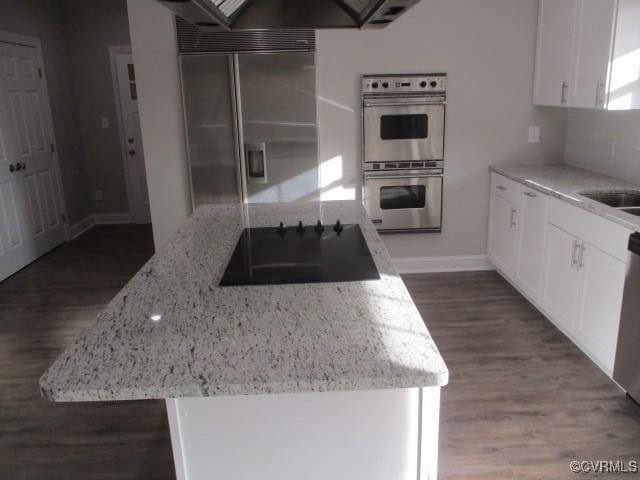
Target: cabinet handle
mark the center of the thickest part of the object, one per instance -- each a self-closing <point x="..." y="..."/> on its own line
<point x="573" y="253"/>
<point x="563" y="96"/>
<point x="513" y="217"/>
<point x="599" y="90"/>
<point x="500" y="187"/>
<point x="530" y="194"/>
<point x="582" y="248"/>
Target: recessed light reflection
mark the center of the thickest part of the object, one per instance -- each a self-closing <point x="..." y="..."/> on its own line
<point x="156" y="317"/>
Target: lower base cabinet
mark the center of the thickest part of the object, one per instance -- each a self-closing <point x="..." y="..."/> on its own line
<point x="583" y="293"/>
<point x="558" y="256"/>
<point x="602" y="285"/>
<point x="531" y="235"/>
<point x="503" y="233"/>
<point x="561" y="282"/>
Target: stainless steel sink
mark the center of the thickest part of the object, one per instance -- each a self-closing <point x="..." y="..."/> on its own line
<point x="632" y="211"/>
<point x="617" y="199"/>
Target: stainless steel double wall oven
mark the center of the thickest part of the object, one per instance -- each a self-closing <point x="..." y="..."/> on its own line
<point x="403" y="150"/>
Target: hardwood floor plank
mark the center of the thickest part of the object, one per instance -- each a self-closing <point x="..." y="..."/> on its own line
<point x="44" y="307"/>
<point x="523" y="401"/>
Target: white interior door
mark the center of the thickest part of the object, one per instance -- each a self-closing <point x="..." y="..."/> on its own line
<point x="130" y="118"/>
<point x="30" y="208"/>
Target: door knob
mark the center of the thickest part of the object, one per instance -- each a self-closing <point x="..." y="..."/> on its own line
<point x="12" y="168"/>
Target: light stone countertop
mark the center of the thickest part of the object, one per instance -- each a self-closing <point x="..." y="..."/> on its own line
<point x="566" y="182"/>
<point x="209" y="340"/>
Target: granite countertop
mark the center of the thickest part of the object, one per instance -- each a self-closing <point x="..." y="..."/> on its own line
<point x="172" y="332"/>
<point x="566" y="182"/>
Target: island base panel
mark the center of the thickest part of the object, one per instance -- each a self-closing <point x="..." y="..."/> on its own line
<point x="377" y="435"/>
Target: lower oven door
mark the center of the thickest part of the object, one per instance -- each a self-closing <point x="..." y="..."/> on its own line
<point x="404" y="203"/>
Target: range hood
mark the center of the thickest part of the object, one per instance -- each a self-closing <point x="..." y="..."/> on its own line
<point x="225" y="15"/>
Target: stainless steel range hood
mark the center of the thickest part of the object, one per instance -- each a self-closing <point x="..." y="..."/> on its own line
<point x="224" y="15"/>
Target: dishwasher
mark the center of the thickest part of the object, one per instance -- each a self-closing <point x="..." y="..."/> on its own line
<point x="626" y="370"/>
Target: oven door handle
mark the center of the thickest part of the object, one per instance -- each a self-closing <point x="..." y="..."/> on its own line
<point x="392" y="177"/>
<point x="403" y="101"/>
<point x="396" y="104"/>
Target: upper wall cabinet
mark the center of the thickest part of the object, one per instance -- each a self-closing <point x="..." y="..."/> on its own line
<point x="588" y="54"/>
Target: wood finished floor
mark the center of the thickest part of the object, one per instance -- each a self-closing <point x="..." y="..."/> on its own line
<point x="522" y="401"/>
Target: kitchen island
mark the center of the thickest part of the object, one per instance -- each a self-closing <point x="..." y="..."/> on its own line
<point x="323" y="380"/>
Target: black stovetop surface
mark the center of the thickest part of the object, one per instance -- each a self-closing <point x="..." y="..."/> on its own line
<point x="311" y="254"/>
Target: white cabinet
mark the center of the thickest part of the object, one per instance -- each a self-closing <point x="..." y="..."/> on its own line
<point x="583" y="293"/>
<point x="561" y="282"/>
<point x="556" y="22"/>
<point x="567" y="261"/>
<point x="600" y="303"/>
<point x="531" y="235"/>
<point x="587" y="54"/>
<point x="503" y="233"/>
<point x="593" y="46"/>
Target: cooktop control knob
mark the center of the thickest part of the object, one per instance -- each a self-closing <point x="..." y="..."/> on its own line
<point x="385" y="84"/>
<point x="434" y="84"/>
<point x="300" y="228"/>
<point x="423" y="84"/>
<point x="318" y="228"/>
<point x="338" y="227"/>
<point x="374" y="85"/>
<point x="282" y="229"/>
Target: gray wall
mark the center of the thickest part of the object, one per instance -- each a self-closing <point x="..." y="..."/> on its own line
<point x="487" y="48"/>
<point x="43" y="19"/>
<point x="605" y="142"/>
<point x="90" y="28"/>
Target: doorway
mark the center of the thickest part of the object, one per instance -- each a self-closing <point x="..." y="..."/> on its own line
<point x="126" y="94"/>
<point x="32" y="218"/>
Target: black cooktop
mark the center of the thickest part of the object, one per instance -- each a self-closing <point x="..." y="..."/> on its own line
<point x="300" y="254"/>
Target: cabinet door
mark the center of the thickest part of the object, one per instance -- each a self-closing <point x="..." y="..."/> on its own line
<point x="593" y="48"/>
<point x="503" y="223"/>
<point x="556" y="21"/>
<point x="600" y="303"/>
<point x="533" y="222"/>
<point x="561" y="277"/>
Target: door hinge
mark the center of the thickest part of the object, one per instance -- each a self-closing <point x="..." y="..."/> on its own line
<point x="64" y="217"/>
<point x="53" y="148"/>
<point x="40" y="72"/>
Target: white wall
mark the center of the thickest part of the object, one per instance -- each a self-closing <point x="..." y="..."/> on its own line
<point x="605" y="142"/>
<point x="487" y="48"/>
<point x="155" y="56"/>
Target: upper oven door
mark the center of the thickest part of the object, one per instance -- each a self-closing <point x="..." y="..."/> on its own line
<point x="403" y="129"/>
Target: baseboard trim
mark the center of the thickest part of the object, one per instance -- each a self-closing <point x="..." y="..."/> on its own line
<point x="82" y="226"/>
<point x="112" y="218"/>
<point x="461" y="263"/>
<point x="90" y="221"/>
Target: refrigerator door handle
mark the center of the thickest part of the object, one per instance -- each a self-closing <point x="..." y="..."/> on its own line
<point x="256" y="157"/>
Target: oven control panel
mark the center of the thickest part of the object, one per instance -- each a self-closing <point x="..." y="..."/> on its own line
<point x="384" y="84"/>
<point x="386" y="166"/>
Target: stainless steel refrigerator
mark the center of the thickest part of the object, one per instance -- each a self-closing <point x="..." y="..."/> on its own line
<point x="251" y="126"/>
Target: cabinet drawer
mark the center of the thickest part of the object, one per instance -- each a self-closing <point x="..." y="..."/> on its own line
<point x="600" y="232"/>
<point x="505" y="188"/>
